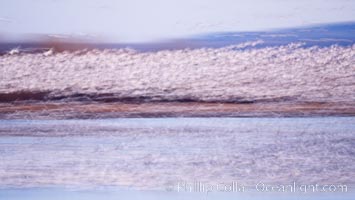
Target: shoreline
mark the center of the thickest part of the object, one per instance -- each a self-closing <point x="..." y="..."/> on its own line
<point x="94" y="110"/>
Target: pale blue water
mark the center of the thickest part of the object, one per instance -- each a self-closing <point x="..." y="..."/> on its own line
<point x="146" y="158"/>
<point x="65" y="194"/>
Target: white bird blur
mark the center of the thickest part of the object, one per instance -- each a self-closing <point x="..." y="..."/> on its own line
<point x="14" y="51"/>
<point x="49" y="52"/>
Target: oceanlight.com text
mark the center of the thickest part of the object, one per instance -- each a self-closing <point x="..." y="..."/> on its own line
<point x="234" y="186"/>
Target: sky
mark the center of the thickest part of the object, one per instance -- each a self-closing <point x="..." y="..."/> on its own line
<point x="149" y="20"/>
